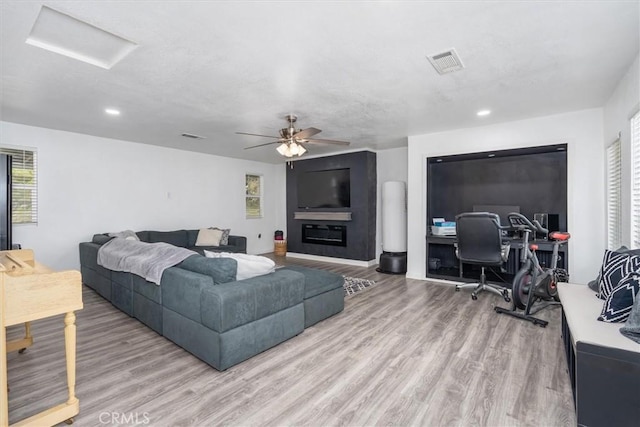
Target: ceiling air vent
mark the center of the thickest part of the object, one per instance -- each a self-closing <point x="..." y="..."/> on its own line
<point x="192" y="136"/>
<point x="446" y="62"/>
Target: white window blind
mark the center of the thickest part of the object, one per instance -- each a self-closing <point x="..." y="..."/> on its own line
<point x="24" y="187"/>
<point x="614" y="196"/>
<point x="635" y="180"/>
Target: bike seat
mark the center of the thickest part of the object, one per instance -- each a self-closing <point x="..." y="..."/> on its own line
<point x="559" y="235"/>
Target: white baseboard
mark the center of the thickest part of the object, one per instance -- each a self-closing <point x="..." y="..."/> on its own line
<point x="344" y="261"/>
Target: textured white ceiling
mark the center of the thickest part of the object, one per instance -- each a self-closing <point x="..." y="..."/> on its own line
<point x="356" y="70"/>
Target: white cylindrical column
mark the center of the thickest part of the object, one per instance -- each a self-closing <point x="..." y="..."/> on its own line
<point x="394" y="216"/>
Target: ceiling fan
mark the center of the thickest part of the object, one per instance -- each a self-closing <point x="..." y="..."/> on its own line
<point x="291" y="140"/>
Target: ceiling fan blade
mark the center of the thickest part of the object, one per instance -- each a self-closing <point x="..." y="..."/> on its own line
<point x="329" y="141"/>
<point x="255" y="134"/>
<point x="261" y="145"/>
<point x="306" y="133"/>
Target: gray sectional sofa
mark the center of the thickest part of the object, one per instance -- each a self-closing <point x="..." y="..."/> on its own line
<point x="201" y="307"/>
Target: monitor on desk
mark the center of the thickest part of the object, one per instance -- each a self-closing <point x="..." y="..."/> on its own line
<point x="503" y="211"/>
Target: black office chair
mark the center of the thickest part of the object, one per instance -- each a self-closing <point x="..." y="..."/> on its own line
<point x="479" y="236"/>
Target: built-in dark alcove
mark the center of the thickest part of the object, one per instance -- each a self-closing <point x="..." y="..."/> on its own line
<point x="529" y="180"/>
<point x="533" y="179"/>
<point x="344" y="214"/>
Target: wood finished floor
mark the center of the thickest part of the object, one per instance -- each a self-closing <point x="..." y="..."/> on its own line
<point x="403" y="352"/>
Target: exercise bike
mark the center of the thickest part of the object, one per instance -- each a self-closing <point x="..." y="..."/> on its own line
<point x="533" y="283"/>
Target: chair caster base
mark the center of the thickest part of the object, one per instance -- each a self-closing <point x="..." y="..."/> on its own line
<point x="474" y="297"/>
<point x="505" y="295"/>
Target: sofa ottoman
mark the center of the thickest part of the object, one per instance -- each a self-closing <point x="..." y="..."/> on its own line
<point x="323" y="294"/>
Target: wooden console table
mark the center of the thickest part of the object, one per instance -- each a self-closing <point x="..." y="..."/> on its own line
<point x="31" y="291"/>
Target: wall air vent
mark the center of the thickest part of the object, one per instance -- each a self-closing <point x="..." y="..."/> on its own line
<point x="192" y="136"/>
<point x="446" y="62"/>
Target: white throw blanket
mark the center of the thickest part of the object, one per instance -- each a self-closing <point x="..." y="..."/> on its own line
<point x="148" y="260"/>
<point x="248" y="265"/>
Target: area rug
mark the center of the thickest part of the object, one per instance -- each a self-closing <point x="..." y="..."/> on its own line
<point x="354" y="284"/>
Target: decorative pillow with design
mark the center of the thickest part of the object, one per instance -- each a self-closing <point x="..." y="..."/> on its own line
<point x="615" y="266"/>
<point x="618" y="304"/>
<point x="594" y="284"/>
<point x="208" y="237"/>
<point x="224" y="240"/>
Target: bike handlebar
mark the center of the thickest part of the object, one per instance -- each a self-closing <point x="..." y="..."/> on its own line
<point x="521" y="222"/>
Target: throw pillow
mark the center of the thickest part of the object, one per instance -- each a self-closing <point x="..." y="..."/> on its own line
<point x="618" y="304"/>
<point x="224" y="240"/>
<point x="208" y="237"/>
<point x="248" y="265"/>
<point x="126" y="234"/>
<point x="594" y="285"/>
<point x="615" y="266"/>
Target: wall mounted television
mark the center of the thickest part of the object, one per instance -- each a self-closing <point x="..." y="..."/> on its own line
<point x="325" y="189"/>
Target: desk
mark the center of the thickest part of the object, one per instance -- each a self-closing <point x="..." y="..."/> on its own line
<point x="31" y="291"/>
<point x="443" y="248"/>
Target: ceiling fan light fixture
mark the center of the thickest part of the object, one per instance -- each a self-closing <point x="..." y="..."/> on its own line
<point x="301" y="150"/>
<point x="293" y="148"/>
<point x="282" y="149"/>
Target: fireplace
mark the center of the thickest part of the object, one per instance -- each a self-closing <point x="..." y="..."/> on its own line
<point x="332" y="235"/>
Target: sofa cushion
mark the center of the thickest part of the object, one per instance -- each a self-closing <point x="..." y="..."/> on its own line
<point x="181" y="291"/>
<point x="192" y="236"/>
<point x="101" y="239"/>
<point x="230" y="305"/>
<point x="175" y="238"/>
<point x="148" y="289"/>
<point x="221" y="270"/>
<point x="617" y="306"/>
<point x="316" y="281"/>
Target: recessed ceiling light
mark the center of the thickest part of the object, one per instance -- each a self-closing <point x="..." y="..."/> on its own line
<point x="112" y="111"/>
<point x="491" y="155"/>
<point x="483" y="113"/>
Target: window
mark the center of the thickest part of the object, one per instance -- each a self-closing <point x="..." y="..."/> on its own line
<point x="635" y="180"/>
<point x="253" y="195"/>
<point x="614" y="196"/>
<point x="24" y="188"/>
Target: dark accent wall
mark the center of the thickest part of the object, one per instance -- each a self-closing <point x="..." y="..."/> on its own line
<point x="361" y="230"/>
<point x="533" y="178"/>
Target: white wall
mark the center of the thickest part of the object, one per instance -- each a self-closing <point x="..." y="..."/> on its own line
<point x="582" y="131"/>
<point x="90" y="185"/>
<point x="392" y="166"/>
<point x="624" y="101"/>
